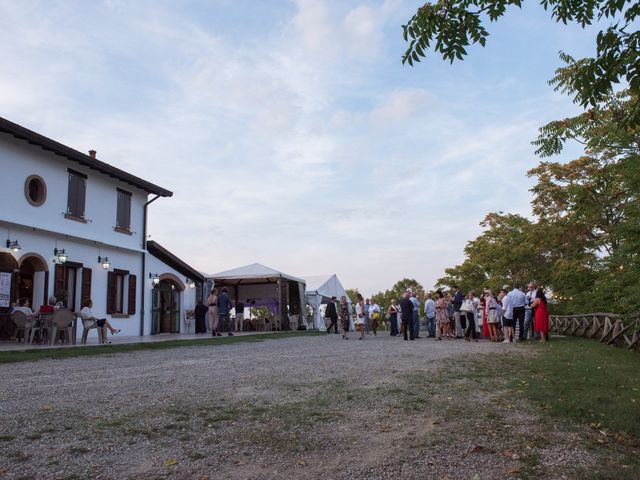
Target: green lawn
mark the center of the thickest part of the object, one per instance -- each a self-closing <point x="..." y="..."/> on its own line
<point x="585" y="381"/>
<point x="68" y="352"/>
<point x="592" y="385"/>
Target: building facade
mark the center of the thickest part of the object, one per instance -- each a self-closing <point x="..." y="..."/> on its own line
<point x="76" y="228"/>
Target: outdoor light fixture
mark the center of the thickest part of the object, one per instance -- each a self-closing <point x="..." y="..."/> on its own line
<point x="155" y="278"/>
<point x="15" y="246"/>
<point x="190" y="283"/>
<point x="61" y="254"/>
<point x="105" y="262"/>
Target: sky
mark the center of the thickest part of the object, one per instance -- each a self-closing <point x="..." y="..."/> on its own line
<point x="289" y="131"/>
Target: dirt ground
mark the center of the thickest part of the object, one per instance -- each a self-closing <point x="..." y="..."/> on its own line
<point x="308" y="407"/>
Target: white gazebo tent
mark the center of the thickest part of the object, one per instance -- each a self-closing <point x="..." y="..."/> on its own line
<point x="320" y="289"/>
<point x="266" y="286"/>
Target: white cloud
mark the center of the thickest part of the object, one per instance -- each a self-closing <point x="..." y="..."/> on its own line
<point x="306" y="146"/>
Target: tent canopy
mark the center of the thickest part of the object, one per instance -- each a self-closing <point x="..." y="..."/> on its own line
<point x="257" y="283"/>
<point x="320" y="289"/>
<point x="251" y="274"/>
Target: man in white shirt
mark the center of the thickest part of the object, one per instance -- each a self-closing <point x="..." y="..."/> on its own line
<point x="518" y="301"/>
<point x="430" y="313"/>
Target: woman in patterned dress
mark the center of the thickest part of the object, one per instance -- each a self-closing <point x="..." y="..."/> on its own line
<point x="441" y="315"/>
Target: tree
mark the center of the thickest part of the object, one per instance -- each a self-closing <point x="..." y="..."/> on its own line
<point x="448" y="26"/>
<point x="383" y="299"/>
<point x="508" y="251"/>
<point x="589" y="207"/>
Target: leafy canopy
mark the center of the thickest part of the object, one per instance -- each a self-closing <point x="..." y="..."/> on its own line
<point x="449" y="26"/>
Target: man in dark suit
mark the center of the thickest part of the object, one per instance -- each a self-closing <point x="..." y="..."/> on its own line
<point x="332" y="313"/>
<point x="406" y="307"/>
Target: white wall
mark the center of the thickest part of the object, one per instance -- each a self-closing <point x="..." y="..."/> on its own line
<point x="86" y="253"/>
<point x="18" y="160"/>
<point x="187" y="296"/>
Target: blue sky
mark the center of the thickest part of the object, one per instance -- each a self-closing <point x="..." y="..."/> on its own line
<point x="289" y="131"/>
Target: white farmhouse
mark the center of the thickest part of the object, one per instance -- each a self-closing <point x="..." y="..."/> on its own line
<point x="76" y="228"/>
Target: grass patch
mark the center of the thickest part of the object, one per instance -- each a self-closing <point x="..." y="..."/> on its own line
<point x="71" y="352"/>
<point x="584" y="381"/>
<point x="7" y="438"/>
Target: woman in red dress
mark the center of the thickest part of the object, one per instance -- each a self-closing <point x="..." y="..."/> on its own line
<point x="541" y="316"/>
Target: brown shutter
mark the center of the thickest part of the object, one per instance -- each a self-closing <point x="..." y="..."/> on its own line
<point x="82" y="191"/>
<point x="59" y="280"/>
<point x="132" y="295"/>
<point x="71" y="195"/>
<point x="86" y="284"/>
<point x="111" y="292"/>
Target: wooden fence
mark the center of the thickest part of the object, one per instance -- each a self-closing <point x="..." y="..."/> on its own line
<point x="609" y="328"/>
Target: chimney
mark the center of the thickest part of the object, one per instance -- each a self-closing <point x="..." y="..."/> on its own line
<point x="92" y="153"/>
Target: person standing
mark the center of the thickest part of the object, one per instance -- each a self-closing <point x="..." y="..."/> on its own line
<point x="360" y="316"/>
<point x="529" y="297"/>
<point x="331" y="312"/>
<point x="457" y="316"/>
<point x="374" y="317"/>
<point x="451" y="324"/>
<point x="491" y="315"/>
<point x="224" y="308"/>
<point x="441" y="315"/>
<point x="541" y="320"/>
<point x="430" y="314"/>
<point x="518" y="300"/>
<point x="507" y="317"/>
<point x="212" y="314"/>
<point x="367" y="318"/>
<point x="406" y="309"/>
<point x="392" y="315"/>
<point x="416" y="315"/>
<point x="469" y="308"/>
<point x="239" y="316"/>
<point x="343" y="315"/>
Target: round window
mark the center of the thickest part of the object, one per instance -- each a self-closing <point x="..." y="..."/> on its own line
<point x="35" y="190"/>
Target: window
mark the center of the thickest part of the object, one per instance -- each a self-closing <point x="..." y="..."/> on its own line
<point x="76" y="195"/>
<point x="123" y="213"/>
<point x="121" y="293"/>
<point x="35" y="190"/>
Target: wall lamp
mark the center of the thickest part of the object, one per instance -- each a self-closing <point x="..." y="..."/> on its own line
<point x="106" y="264"/>
<point x="15" y="246"/>
<point x="155" y="278"/>
<point x="61" y="254"/>
<point x="190" y="283"/>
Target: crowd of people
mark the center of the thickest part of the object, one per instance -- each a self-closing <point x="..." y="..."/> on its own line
<point x="511" y="315"/>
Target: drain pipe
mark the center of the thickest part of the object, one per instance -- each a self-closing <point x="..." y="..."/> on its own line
<point x="144" y="258"/>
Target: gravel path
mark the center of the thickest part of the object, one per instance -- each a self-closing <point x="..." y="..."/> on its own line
<point x="306" y="407"/>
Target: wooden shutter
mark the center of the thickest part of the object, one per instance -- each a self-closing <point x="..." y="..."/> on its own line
<point x="86" y="284"/>
<point x="76" y="193"/>
<point x="111" y="292"/>
<point x="82" y="192"/>
<point x="59" y="282"/>
<point x="131" y="308"/>
<point x="124" y="210"/>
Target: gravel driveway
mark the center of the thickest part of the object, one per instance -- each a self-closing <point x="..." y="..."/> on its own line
<point x="307" y="407"/>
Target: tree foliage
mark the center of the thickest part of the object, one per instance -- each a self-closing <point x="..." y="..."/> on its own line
<point x="508" y="251"/>
<point x="449" y="26"/>
<point x="383" y="299"/>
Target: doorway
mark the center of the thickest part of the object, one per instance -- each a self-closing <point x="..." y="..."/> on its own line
<point x="32" y="280"/>
<point x="165" y="310"/>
